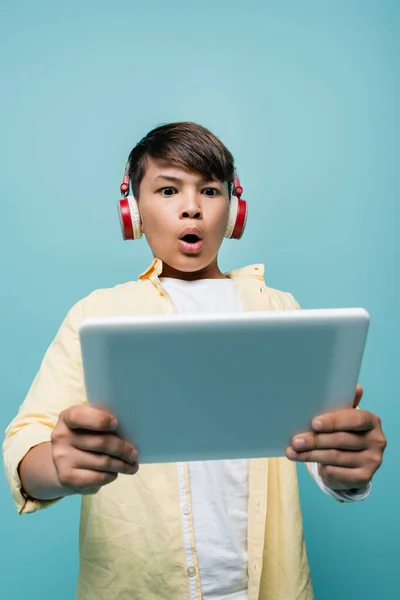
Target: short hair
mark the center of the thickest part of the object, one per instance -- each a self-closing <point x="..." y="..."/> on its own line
<point x="186" y="145"/>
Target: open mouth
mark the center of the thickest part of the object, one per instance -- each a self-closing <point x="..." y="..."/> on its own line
<point x="191" y="238"/>
<point x="191" y="243"/>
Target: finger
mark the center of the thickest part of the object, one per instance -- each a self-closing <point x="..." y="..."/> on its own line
<point x="344" y="420"/>
<point x="90" y="461"/>
<point x="87" y="417"/>
<point x="348" y="478"/>
<point x="87" y="482"/>
<point x="105" y="443"/>
<point x="358" y="396"/>
<point x="341" y="440"/>
<point x="337" y="458"/>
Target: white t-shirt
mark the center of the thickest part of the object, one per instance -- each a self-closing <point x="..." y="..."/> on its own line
<point x="203" y="295"/>
<point x="219" y="489"/>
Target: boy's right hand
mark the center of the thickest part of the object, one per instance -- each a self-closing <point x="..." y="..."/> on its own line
<point x="86" y="451"/>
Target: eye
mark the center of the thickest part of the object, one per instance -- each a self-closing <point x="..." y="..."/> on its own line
<point x="167" y="191"/>
<point x="211" y="192"/>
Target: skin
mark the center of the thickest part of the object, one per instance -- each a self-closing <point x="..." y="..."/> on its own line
<point x="172" y="199"/>
<point x="85" y="452"/>
<point x="348" y="446"/>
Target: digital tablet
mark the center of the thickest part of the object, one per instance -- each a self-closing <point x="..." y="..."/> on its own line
<point x="209" y="387"/>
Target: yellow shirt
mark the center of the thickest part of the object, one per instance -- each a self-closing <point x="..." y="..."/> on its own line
<point x="131" y="538"/>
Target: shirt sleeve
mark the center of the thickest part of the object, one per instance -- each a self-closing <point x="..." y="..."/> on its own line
<point x="58" y="385"/>
<point x="340" y="495"/>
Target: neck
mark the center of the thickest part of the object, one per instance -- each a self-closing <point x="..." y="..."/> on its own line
<point x="210" y="272"/>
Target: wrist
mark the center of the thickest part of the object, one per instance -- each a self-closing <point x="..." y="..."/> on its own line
<point x="38" y="475"/>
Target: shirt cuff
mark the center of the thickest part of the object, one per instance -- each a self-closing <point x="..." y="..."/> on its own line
<point x="341" y="495"/>
<point x="15" y="448"/>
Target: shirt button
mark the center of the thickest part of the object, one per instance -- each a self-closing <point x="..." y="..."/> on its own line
<point x="186" y="509"/>
<point x="191" y="571"/>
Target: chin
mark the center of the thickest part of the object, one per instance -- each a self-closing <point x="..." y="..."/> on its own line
<point x="189" y="264"/>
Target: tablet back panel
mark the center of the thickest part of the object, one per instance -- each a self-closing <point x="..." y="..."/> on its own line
<point x="221" y="386"/>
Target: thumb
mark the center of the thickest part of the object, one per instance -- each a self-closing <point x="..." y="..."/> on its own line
<point x="358" y="396"/>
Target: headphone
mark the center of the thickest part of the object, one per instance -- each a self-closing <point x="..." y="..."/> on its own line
<point x="130" y="220"/>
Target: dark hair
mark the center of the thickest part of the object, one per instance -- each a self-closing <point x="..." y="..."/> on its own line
<point x="185" y="145"/>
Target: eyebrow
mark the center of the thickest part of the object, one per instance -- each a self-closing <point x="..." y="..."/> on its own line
<point x="178" y="180"/>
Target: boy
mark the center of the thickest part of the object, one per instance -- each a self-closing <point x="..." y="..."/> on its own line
<point x="226" y="530"/>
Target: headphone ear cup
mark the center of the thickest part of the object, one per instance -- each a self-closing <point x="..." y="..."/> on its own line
<point x="129" y="217"/>
<point x="237" y="218"/>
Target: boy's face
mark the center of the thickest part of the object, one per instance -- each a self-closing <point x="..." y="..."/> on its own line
<point x="184" y="218"/>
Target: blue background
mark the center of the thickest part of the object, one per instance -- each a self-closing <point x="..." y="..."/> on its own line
<point x="306" y="96"/>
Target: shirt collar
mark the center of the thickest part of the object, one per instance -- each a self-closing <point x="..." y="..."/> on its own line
<point x="154" y="270"/>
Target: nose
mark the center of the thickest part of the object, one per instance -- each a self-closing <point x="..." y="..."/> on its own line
<point x="191" y="208"/>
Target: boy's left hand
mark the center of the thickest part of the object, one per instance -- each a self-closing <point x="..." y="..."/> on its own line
<point x="348" y="446"/>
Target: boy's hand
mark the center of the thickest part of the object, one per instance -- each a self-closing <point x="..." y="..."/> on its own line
<point x="348" y="446"/>
<point x="86" y="451"/>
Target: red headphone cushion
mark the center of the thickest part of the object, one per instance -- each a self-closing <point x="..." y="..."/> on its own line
<point x="126" y="219"/>
<point x="240" y="220"/>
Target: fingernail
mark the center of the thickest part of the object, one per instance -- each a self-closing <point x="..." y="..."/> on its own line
<point x="290" y="453"/>
<point x="133" y="456"/>
<point x="317" y="424"/>
<point x="114" y="424"/>
<point x="133" y="468"/>
<point x="299" y="442"/>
